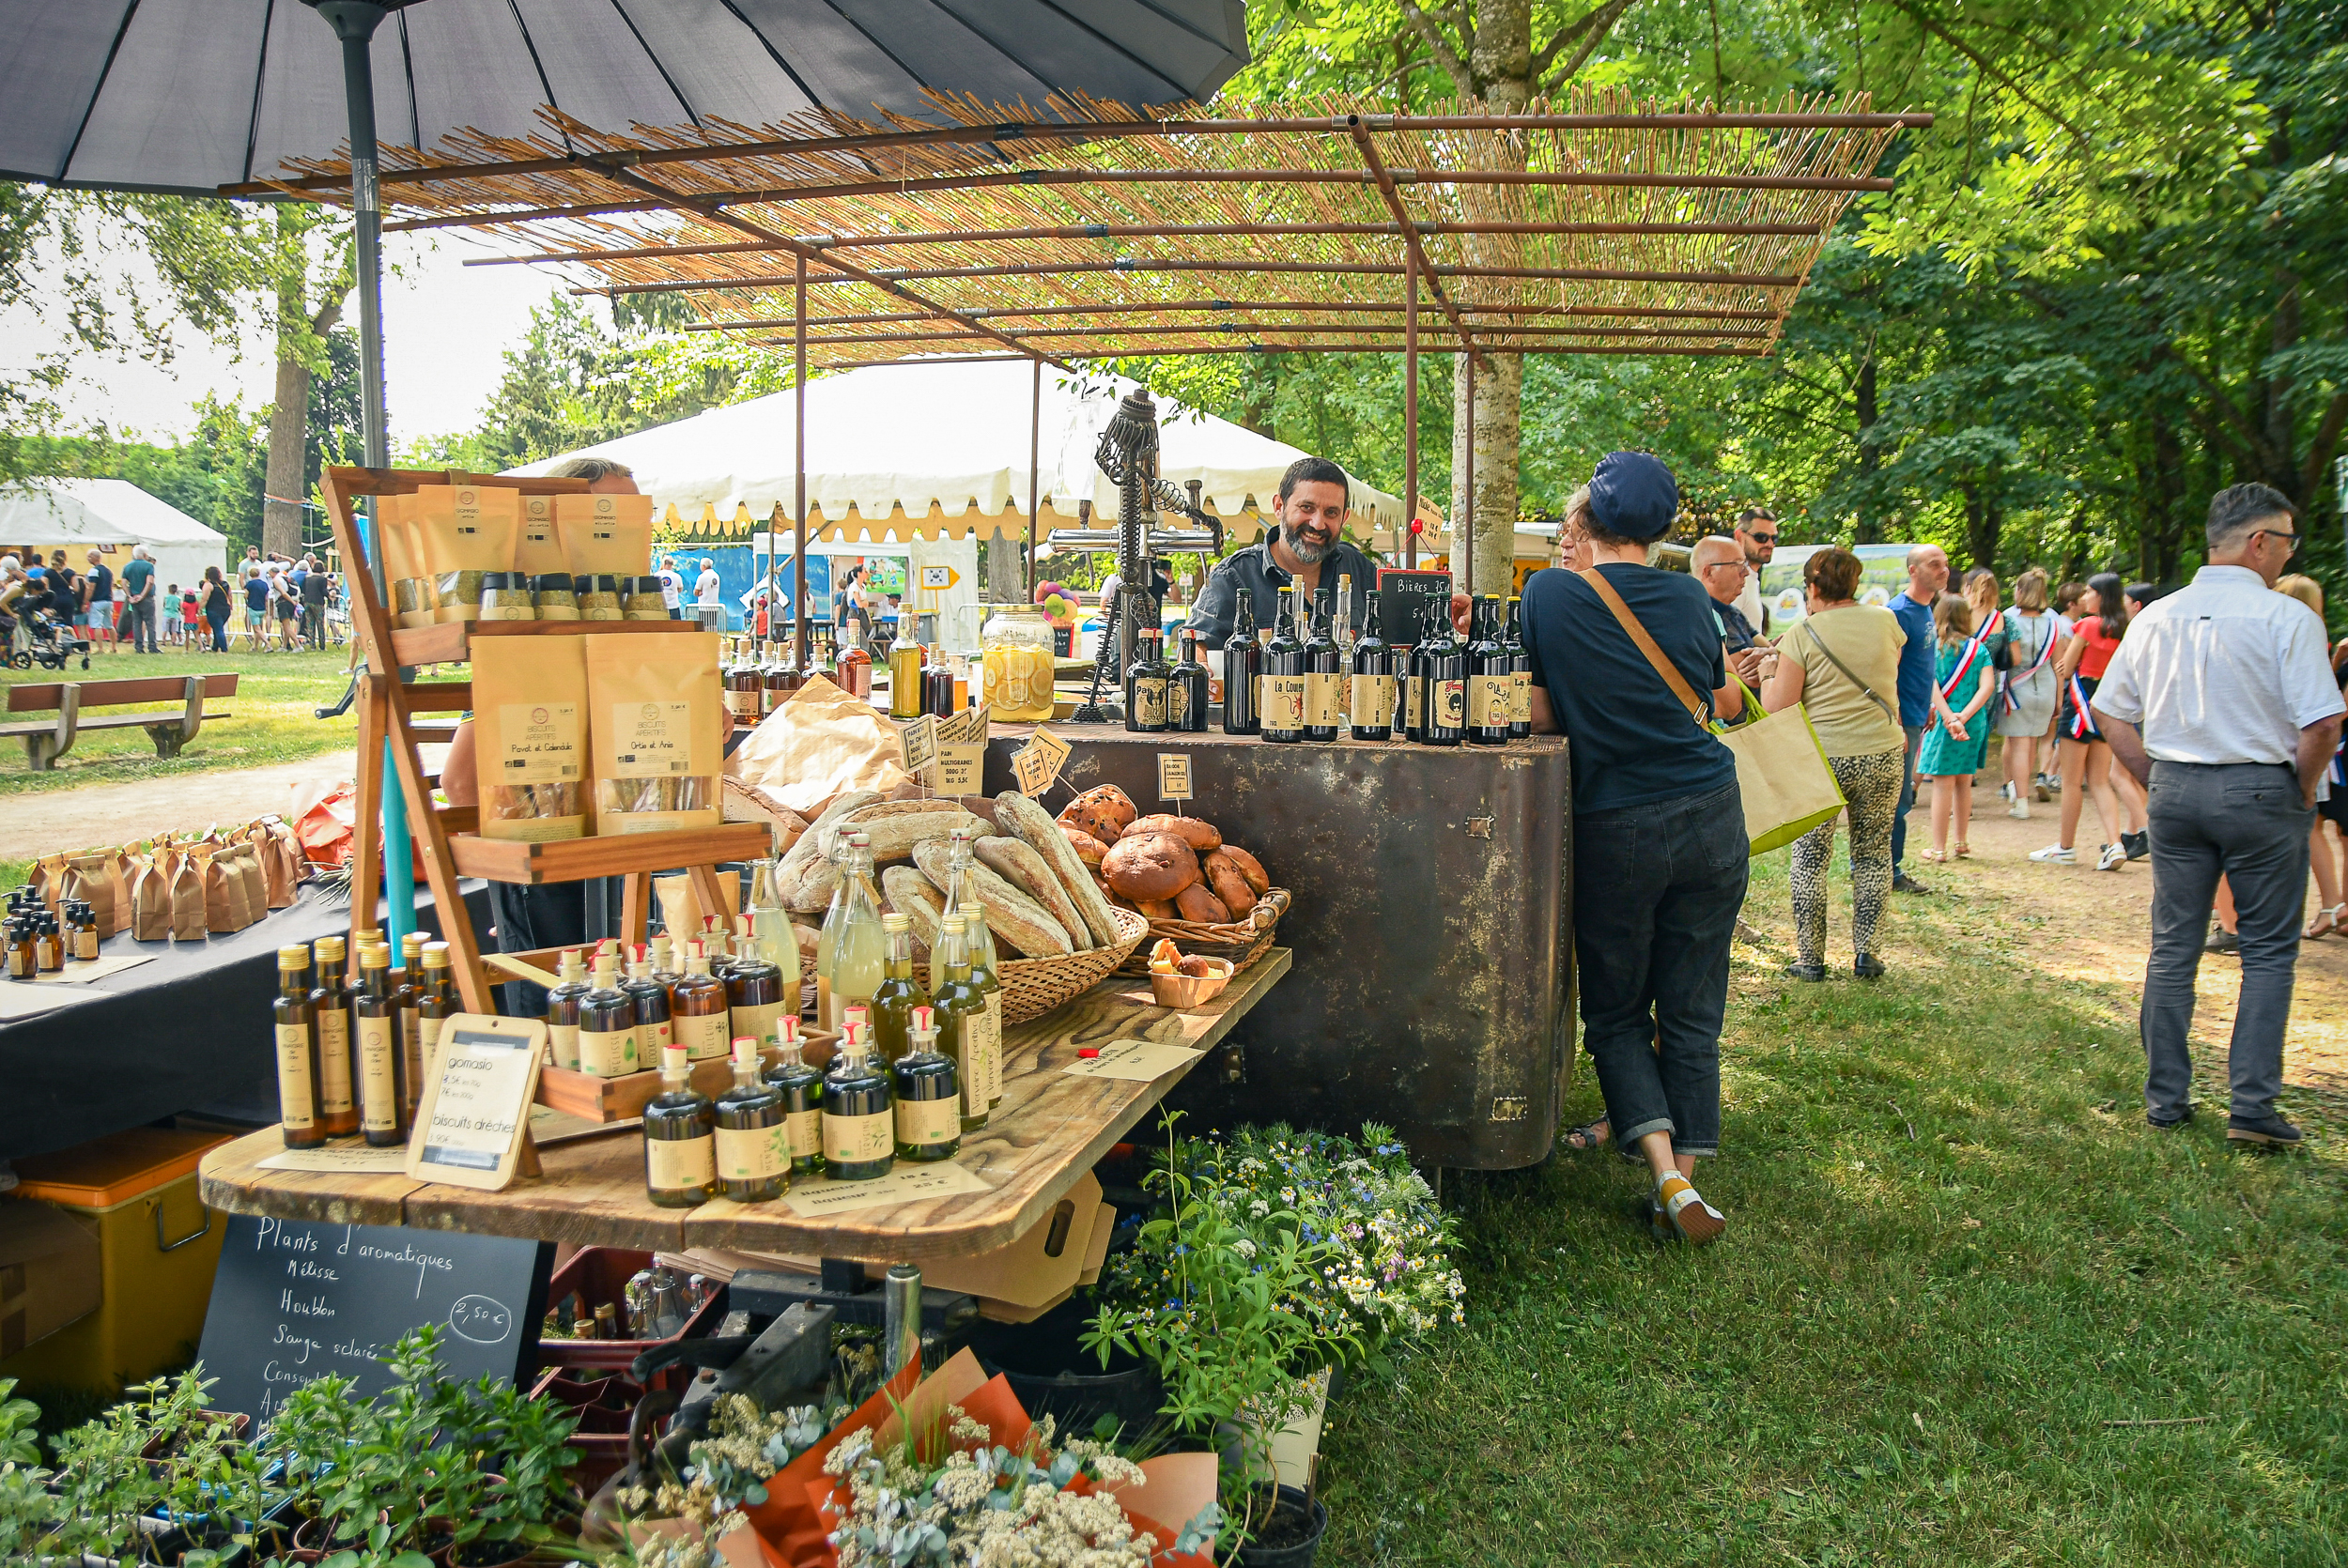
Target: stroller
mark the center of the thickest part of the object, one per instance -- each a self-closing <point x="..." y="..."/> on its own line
<point x="48" y="643"/>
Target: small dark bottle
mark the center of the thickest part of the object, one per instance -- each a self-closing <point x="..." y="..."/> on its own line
<point x="654" y="1033"/>
<point x="746" y="689"/>
<point x="1488" y="676"/>
<point x="607" y="1026"/>
<point x="1284" y="676"/>
<point x="376" y="1027"/>
<point x="1412" y="666"/>
<point x="753" y="1144"/>
<point x="1324" y="679"/>
<point x="781" y="678"/>
<point x="860" y="1121"/>
<point x="1243" y="673"/>
<point x="1442" y="680"/>
<point x="1145" y="686"/>
<point x="1186" y="698"/>
<point x="754" y="1000"/>
<point x="562" y="999"/>
<point x="1520" y="673"/>
<point x="929" y="1110"/>
<point x="23" y="958"/>
<point x="1372" y="719"/>
<point x="406" y="990"/>
<point x="48" y="947"/>
<point x="801" y="1087"/>
<point x="699" y="1013"/>
<point x="338" y="1066"/>
<point x="680" y="1139"/>
<point x="937" y="689"/>
<point x="436" y="1002"/>
<point x="84" y="945"/>
<point x="298" y="1108"/>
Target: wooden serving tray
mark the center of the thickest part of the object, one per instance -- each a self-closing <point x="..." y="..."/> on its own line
<point x="450" y="641"/>
<point x="623" y="1099"/>
<point x="610" y="855"/>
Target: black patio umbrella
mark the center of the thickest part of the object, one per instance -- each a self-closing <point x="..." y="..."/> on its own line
<point x="188" y="95"/>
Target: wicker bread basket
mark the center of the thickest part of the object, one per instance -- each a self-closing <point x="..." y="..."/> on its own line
<point x="1243" y="941"/>
<point x="1033" y="987"/>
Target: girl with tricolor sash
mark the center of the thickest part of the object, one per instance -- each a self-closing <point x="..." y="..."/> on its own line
<point x="1957" y="738"/>
<point x="2103" y="620"/>
<point x="2026" y="695"/>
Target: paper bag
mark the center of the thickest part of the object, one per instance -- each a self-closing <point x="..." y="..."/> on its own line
<point x="150" y="899"/>
<point x="226" y="910"/>
<point x="244" y="862"/>
<point x="46" y="874"/>
<point x="105" y="888"/>
<point x="681" y="909"/>
<point x="187" y="901"/>
<point x="281" y="861"/>
<point x="819" y="742"/>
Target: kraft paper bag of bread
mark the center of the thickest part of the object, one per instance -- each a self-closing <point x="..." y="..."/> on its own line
<point x="150" y="899"/>
<point x="224" y="910"/>
<point x="821" y="743"/>
<point x="681" y="910"/>
<point x="187" y="902"/>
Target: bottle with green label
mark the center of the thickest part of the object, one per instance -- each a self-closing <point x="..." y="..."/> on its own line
<point x="680" y="1138"/>
<point x="801" y="1087"/>
<point x="606" y="1026"/>
<point x="753" y="1142"/>
<point x="754" y="989"/>
<point x="989" y="980"/>
<point x="929" y="1119"/>
<point x="896" y="996"/>
<point x="860" y="1120"/>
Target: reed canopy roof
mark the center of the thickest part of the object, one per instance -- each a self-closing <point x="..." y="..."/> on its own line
<point x="1602" y="225"/>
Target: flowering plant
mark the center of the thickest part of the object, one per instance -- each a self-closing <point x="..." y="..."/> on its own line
<point x="724" y="1472"/>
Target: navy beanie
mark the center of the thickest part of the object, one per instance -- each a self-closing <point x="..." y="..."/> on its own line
<point x="1633" y="495"/>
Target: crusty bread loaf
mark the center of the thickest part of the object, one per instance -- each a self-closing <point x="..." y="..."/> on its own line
<point x="1250" y="868"/>
<point x="1228" y="883"/>
<point x="1089" y="849"/>
<point x="909" y="894"/>
<point x="1027" y="870"/>
<point x="1024" y="819"/>
<point x="806" y="876"/>
<point x="1015" y="918"/>
<point x="1102" y="811"/>
<point x="1198" y="833"/>
<point x="895" y="827"/>
<point x="1150" y="865"/>
<point x="1158" y="909"/>
<point x="980" y="806"/>
<point x="1198" y="904"/>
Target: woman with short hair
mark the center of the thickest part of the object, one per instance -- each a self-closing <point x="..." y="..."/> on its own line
<point x="1842" y="664"/>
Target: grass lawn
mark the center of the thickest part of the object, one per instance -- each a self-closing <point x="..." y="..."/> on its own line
<point x="1957" y="1256"/>
<point x="274" y="718"/>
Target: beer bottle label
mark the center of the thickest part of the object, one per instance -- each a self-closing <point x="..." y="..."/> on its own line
<point x="1521" y="696"/>
<point x="1450" y="704"/>
<point x="1489" y="702"/>
<point x="1283" y="702"/>
<point x="1373" y="701"/>
<point x="1149" y="700"/>
<point x="1323" y="698"/>
<point x="1177" y="703"/>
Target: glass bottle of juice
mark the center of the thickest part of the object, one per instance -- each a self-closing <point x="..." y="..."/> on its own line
<point x="859" y="1126"/>
<point x="338" y="1067"/>
<point x="929" y="1120"/>
<point x="753" y="1144"/>
<point x="827" y="939"/>
<point x="654" y="1032"/>
<point x="754" y="994"/>
<point x="606" y="1026"/>
<point x="960" y="1014"/>
<point x="298" y="1109"/>
<point x="680" y="1139"/>
<point x="904" y="671"/>
<point x="859" y="959"/>
<point x="801" y="1087"/>
<point x="770" y="927"/>
<point x="989" y="980"/>
<point x="562" y="999"/>
<point x="853" y="668"/>
<point x="700" y="1017"/>
<point x="899" y="993"/>
<point x="376" y="1027"/>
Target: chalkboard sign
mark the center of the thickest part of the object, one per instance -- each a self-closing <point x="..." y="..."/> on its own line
<point x="1406" y="598"/>
<point x="296" y="1300"/>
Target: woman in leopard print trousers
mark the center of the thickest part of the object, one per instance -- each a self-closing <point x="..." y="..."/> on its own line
<point x="1871" y="784"/>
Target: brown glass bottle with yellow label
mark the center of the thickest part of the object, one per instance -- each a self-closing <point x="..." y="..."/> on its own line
<point x="754" y="987"/>
<point x="929" y="1118"/>
<point x="961" y="1010"/>
<point x="699" y="1017"/>
<point x="654" y="1031"/>
<point x="382" y="1099"/>
<point x="606" y="1026"/>
<point x="1490" y="679"/>
<point x="801" y="1087"/>
<point x="299" y="1112"/>
<point x="754" y="1139"/>
<point x="680" y="1139"/>
<point x="338" y="1066"/>
<point x="407" y="984"/>
<point x="860" y="1121"/>
<point x="562" y="999"/>
<point x="436" y="1002"/>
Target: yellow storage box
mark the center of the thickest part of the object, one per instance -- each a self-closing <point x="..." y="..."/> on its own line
<point x="158" y="1246"/>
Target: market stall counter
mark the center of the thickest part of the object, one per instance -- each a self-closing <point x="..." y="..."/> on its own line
<point x="1430" y="890"/>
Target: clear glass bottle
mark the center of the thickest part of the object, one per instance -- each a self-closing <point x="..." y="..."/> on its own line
<point x="859" y="956"/>
<point x="376" y="1026"/>
<point x="700" y="1017"/>
<point x="988" y="978"/>
<point x="1283" y="676"/>
<point x="299" y="1110"/>
<point x="1373" y="687"/>
<point x="859" y="1123"/>
<point x="960" y="1008"/>
<point x="755" y="991"/>
<point x="680" y="1139"/>
<point x="753" y="1143"/>
<point x="654" y="1033"/>
<point x="929" y="1119"/>
<point x="1017" y="663"/>
<point x="606" y="1026"/>
<point x="562" y="999"/>
<point x="771" y="929"/>
<point x="801" y="1087"/>
<point x="338" y="1066"/>
<point x="899" y="993"/>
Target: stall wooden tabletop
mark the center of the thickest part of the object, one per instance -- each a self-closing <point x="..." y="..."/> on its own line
<point x="1049" y="1130"/>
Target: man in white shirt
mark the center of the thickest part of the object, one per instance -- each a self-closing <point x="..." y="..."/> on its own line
<point x="2220" y="700"/>
<point x="708" y="593"/>
<point x="671" y="586"/>
<point x="1757" y="531"/>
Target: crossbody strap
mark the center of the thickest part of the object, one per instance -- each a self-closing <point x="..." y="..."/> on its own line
<point x="1698" y="709"/>
<point x="1854" y="680"/>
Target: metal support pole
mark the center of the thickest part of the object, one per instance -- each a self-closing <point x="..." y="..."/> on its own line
<point x="1463" y="525"/>
<point x="1409" y="409"/>
<point x="798" y="461"/>
<point x="354" y="23"/>
<point x="1035" y="475"/>
<point x="901" y="1316"/>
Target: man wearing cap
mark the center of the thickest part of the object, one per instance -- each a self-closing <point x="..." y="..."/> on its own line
<point x="1658" y="829"/>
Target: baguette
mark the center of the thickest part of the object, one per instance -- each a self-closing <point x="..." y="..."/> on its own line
<point x="895" y="827"/>
<point x="806" y="876"/>
<point x="1024" y="819"/>
<point x="1027" y="870"/>
<point x="909" y="894"/>
<point x="1013" y="917"/>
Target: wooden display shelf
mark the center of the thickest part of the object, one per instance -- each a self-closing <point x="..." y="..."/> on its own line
<point x="624" y="1099"/>
<point x="450" y="641"/>
<point x="1050" y="1129"/>
<point x="609" y="855"/>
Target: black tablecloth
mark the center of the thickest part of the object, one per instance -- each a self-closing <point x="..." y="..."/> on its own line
<point x="187" y="1031"/>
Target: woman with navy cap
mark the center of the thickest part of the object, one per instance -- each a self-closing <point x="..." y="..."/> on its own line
<point x="1658" y="829"/>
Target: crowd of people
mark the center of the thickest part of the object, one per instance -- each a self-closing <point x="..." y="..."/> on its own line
<point x="2203" y="724"/>
<point x="289" y="602"/>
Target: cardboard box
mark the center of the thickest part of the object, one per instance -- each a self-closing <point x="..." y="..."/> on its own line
<point x="50" y="1273"/>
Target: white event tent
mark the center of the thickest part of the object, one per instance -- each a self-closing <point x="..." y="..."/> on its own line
<point x="111" y="516"/>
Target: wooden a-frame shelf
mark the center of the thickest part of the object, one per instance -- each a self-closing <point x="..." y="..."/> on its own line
<point x="450" y="642"/>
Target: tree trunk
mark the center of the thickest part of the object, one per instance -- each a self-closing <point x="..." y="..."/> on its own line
<point x="1499" y="392"/>
<point x="288" y="480"/>
<point x="1005" y="584"/>
<point x="1985" y="520"/>
<point x="1864" y="404"/>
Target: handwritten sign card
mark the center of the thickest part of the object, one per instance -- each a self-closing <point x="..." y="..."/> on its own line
<point x="907" y="1183"/>
<point x="920" y="743"/>
<point x="471" y="1121"/>
<point x="1137" y="1061"/>
<point x="1173" y="775"/>
<point x="962" y="753"/>
<point x="1038" y="763"/>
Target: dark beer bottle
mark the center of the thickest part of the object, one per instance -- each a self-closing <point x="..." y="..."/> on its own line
<point x="1442" y="680"/>
<point x="1372" y="719"/>
<point x="1520" y="673"/>
<point x="1284" y="676"/>
<point x="1144" y="686"/>
<point x="1324" y="679"/>
<point x="1243" y="673"/>
<point x="1186" y="690"/>
<point x="1488" y="680"/>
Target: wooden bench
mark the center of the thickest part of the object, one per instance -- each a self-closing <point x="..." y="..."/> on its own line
<point x="46" y="740"/>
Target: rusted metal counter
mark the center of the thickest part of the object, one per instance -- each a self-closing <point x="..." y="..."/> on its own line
<point x="1432" y="929"/>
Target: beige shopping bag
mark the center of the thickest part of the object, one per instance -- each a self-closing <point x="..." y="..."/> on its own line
<point x="150" y="897"/>
<point x="187" y="901"/>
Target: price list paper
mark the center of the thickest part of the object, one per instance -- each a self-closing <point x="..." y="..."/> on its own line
<point x="962" y="753"/>
<point x="908" y="1183"/>
<point x="1137" y="1061"/>
<point x="1038" y="764"/>
<point x="471" y="1123"/>
<point x="920" y="743"/>
<point x="1173" y="775"/>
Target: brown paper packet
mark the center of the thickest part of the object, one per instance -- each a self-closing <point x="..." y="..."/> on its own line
<point x="244" y="862"/>
<point x="530" y="736"/>
<point x="652" y="729"/>
<point x="820" y="743"/>
<point x="276" y="877"/>
<point x="681" y="909"/>
<point x="98" y="879"/>
<point x="405" y="588"/>
<point x="47" y="874"/>
<point x="187" y="901"/>
<point x="226" y="908"/>
<point x="150" y="901"/>
<point x="463" y="530"/>
<point x="537" y="547"/>
<point x="605" y="533"/>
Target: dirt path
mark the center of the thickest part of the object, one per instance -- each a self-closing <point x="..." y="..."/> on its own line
<point x="2076" y="922"/>
<point x="39" y="824"/>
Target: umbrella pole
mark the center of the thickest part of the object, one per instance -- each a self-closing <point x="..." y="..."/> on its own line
<point x="1410" y="411"/>
<point x="354" y="21"/>
<point x="1035" y="476"/>
<point x="798" y="461"/>
<point x="1464" y="534"/>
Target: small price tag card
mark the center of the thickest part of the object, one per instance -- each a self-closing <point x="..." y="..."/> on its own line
<point x="905" y="1184"/>
<point x="1173" y="775"/>
<point x="920" y="743"/>
<point x="475" y="1113"/>
<point x="1038" y="764"/>
<point x="967" y="727"/>
<point x="1138" y="1061"/>
<point x="962" y="769"/>
<point x="351" y="1158"/>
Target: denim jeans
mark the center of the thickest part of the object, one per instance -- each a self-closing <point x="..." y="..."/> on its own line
<point x="2244" y="821"/>
<point x="1907" y="797"/>
<point x="1656" y="892"/>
